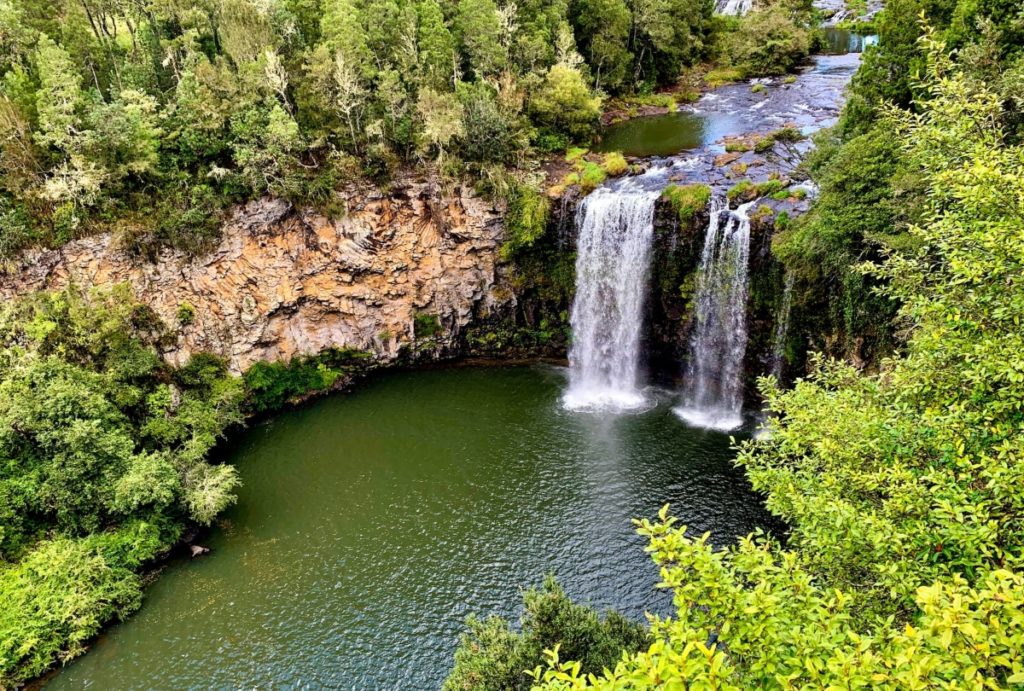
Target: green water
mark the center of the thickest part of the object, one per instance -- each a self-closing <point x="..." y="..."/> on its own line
<point x="370" y="524"/>
<point x="664" y="135"/>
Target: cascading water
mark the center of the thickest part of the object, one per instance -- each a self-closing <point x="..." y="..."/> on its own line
<point x="713" y="395"/>
<point x="734" y="7"/>
<point x="616" y="227"/>
<point x="782" y="328"/>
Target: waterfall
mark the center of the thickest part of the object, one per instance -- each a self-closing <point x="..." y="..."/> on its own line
<point x="733" y="7"/>
<point x="713" y="394"/>
<point x="781" y="328"/>
<point x="616" y="227"/>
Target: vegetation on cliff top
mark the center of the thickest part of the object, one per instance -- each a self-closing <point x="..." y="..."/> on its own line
<point x="150" y="118"/>
<point x="870" y="191"/>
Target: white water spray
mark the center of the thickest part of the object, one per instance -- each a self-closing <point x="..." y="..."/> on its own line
<point x="737" y="8"/>
<point x="616" y="228"/>
<point x="782" y="328"/>
<point x="713" y="395"/>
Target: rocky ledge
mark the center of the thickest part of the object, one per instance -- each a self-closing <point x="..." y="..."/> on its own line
<point x="285" y="281"/>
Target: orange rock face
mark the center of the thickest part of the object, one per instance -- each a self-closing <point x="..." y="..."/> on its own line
<point x="285" y="281"/>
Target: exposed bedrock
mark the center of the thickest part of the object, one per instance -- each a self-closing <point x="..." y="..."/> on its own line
<point x="285" y="281"/>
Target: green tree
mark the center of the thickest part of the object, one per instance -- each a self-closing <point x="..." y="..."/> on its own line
<point x="493" y="656"/>
<point x="102" y="460"/>
<point x="602" y="34"/>
<point x="124" y="136"/>
<point x="479" y="34"/>
<point x="342" y="33"/>
<point x="437" y="59"/>
<point x="58" y="99"/>
<point x="564" y="104"/>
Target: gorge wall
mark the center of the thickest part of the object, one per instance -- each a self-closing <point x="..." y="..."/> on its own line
<point x="285" y="281"/>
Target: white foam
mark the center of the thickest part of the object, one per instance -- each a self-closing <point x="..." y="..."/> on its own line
<point x="720" y="420"/>
<point x="595" y="400"/>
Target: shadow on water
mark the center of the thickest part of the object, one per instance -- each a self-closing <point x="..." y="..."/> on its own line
<point x="371" y="524"/>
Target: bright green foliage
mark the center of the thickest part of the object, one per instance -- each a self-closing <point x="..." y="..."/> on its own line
<point x="904" y="490"/>
<point x="55" y="600"/>
<point x="102" y="456"/>
<point x="563" y="104"/>
<point x="770" y="40"/>
<point x="272" y="385"/>
<point x="754" y="617"/>
<point x="687" y="200"/>
<point x="493" y="656"/>
<point x="741" y="189"/>
<point x="614" y="164"/>
<point x="526" y="218"/>
<point x="591" y="176"/>
<point x="723" y="75"/>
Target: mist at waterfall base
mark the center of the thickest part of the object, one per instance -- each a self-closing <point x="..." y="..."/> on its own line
<point x="616" y="228"/>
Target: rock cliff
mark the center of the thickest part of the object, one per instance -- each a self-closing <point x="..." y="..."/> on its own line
<point x="285" y="281"/>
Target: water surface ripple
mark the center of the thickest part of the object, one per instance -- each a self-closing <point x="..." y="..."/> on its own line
<point x="371" y="524"/>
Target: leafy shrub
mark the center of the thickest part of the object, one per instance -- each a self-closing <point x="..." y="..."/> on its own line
<point x="563" y="104"/>
<point x="55" y="599"/>
<point x="526" y="218"/>
<point x="493" y="656"/>
<point x="723" y="75"/>
<point x="769" y="41"/>
<point x="186" y="314"/>
<point x="687" y="200"/>
<point x="426" y="325"/>
<point x="591" y="176"/>
<point x="272" y="385"/>
<point x="104" y="450"/>
<point x="740" y="190"/>
<point x="614" y="164"/>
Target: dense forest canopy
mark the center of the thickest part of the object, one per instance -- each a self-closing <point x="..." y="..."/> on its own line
<point x="102" y="462"/>
<point x="149" y="117"/>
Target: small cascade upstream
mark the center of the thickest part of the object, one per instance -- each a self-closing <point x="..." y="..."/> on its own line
<point x="782" y="328"/>
<point x="713" y="394"/>
<point x="734" y="7"/>
<point x="616" y="228"/>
